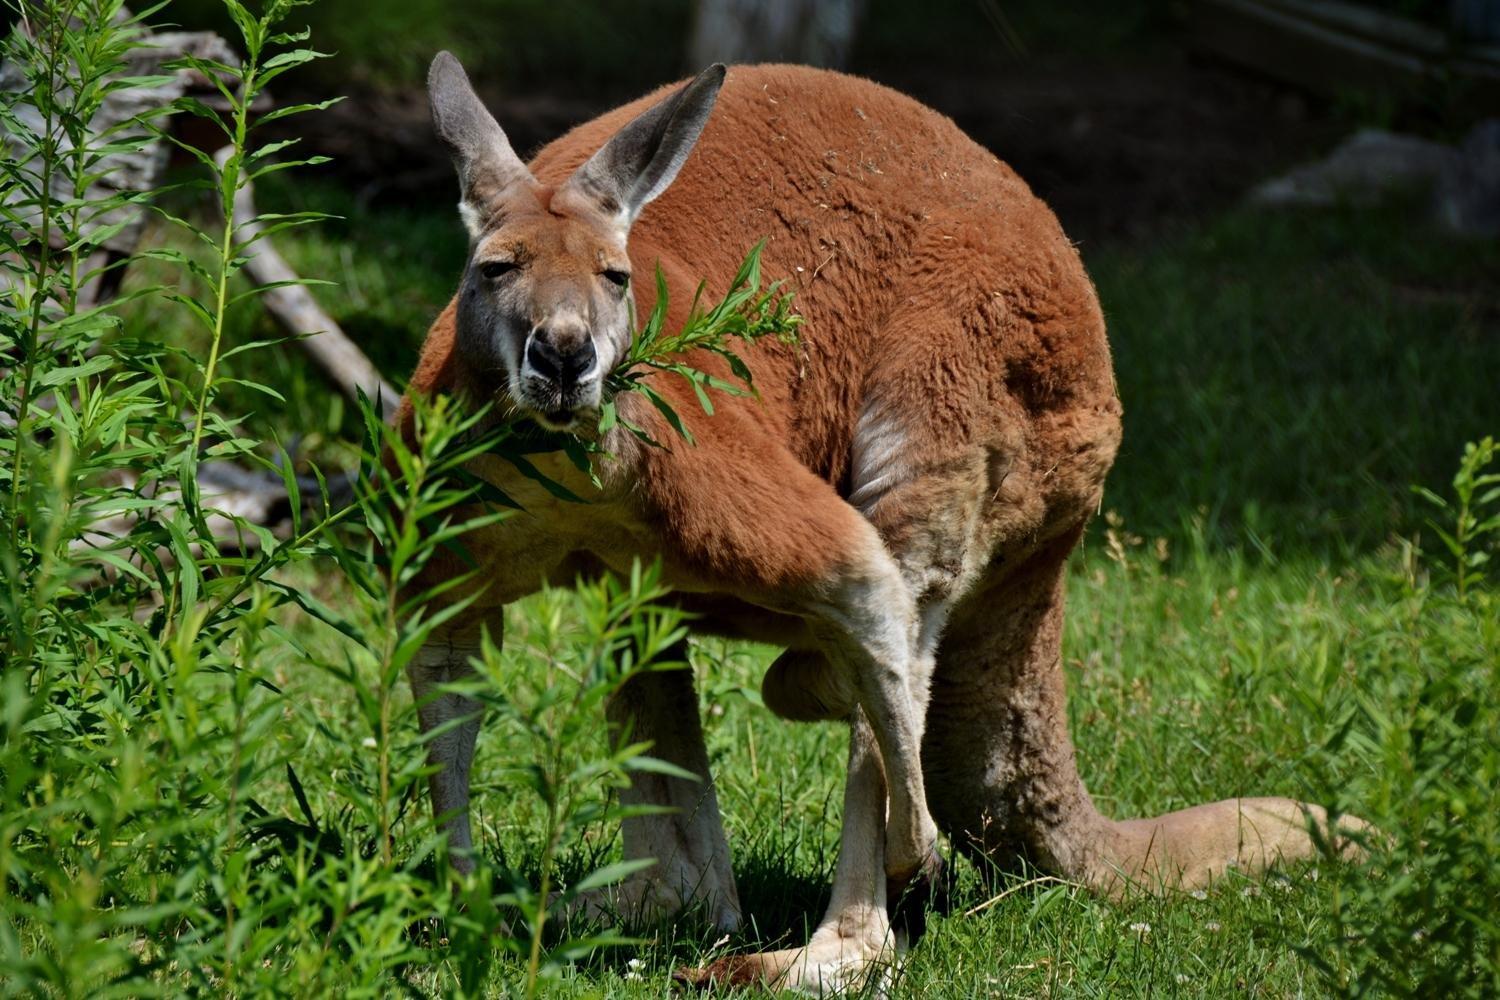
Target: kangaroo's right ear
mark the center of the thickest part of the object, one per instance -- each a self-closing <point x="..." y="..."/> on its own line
<point x="486" y="163"/>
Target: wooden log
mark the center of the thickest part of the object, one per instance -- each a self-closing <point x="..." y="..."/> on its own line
<point x="1332" y="49"/>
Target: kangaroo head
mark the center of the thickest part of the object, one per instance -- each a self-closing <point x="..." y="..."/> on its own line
<point x="545" y="304"/>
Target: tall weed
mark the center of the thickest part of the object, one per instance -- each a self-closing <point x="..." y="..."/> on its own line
<point x="1419" y="919"/>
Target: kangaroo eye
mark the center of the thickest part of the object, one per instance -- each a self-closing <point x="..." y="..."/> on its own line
<point x="497" y="268"/>
<point x="617" y="278"/>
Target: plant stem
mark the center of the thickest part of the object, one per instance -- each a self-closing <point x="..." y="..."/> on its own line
<point x="53" y="43"/>
<point x="229" y="183"/>
<point x="234" y="787"/>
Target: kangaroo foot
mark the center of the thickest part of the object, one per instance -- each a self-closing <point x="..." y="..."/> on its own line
<point x="849" y="956"/>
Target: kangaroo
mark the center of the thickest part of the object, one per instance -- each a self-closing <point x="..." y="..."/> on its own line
<point x="895" y="509"/>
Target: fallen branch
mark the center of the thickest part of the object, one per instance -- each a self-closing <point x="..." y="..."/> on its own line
<point x="296" y="310"/>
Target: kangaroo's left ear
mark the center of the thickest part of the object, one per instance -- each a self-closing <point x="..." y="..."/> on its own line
<point x="643" y="158"/>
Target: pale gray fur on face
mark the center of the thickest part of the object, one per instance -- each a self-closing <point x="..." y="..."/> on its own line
<point x="630" y="170"/>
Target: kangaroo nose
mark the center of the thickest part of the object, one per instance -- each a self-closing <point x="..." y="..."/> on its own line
<point x="563" y="363"/>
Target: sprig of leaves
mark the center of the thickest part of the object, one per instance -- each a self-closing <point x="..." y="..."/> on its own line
<point x="746" y="314"/>
<point x="1473" y="515"/>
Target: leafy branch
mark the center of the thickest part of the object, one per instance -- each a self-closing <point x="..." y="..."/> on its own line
<point x="746" y="314"/>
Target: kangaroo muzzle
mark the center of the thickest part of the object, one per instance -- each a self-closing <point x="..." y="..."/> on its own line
<point x="566" y="361"/>
<point x="560" y="373"/>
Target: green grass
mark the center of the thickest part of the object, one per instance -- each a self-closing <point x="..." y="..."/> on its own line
<point x="1294" y="373"/>
<point x="1285" y="379"/>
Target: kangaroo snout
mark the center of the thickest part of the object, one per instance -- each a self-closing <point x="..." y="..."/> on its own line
<point x="565" y="356"/>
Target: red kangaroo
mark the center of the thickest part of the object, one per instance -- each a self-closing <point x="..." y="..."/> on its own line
<point x="895" y="509"/>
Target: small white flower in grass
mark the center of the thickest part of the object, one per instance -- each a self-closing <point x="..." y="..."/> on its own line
<point x="1213" y="927"/>
<point x="1199" y="894"/>
<point x="1182" y="978"/>
<point x="633" y="969"/>
<point x="1312" y="874"/>
<point x="1142" y="928"/>
<point x="1250" y="891"/>
<point x="369" y="743"/>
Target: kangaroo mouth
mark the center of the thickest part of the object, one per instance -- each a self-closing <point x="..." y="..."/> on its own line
<point x="557" y="408"/>
<point x="558" y="420"/>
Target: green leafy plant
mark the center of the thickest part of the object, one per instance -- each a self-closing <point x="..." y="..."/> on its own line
<point x="747" y="313"/>
<point x="137" y="712"/>
<point x="1416" y="919"/>
<point x="139" y="715"/>
<point x="267" y="55"/>
<point x="1473" y="515"/>
<point x="415" y="504"/>
<point x="622" y="629"/>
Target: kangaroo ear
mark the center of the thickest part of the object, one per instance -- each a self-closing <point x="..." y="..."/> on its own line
<point x="486" y="163"/>
<point x="643" y="157"/>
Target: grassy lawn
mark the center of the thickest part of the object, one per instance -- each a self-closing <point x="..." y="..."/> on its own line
<point x="1259" y="611"/>
<point x="1248" y="618"/>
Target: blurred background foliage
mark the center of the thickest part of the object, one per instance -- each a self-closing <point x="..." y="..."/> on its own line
<point x="601" y="49"/>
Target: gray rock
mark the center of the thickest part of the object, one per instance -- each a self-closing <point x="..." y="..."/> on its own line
<point x="1368" y="166"/>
